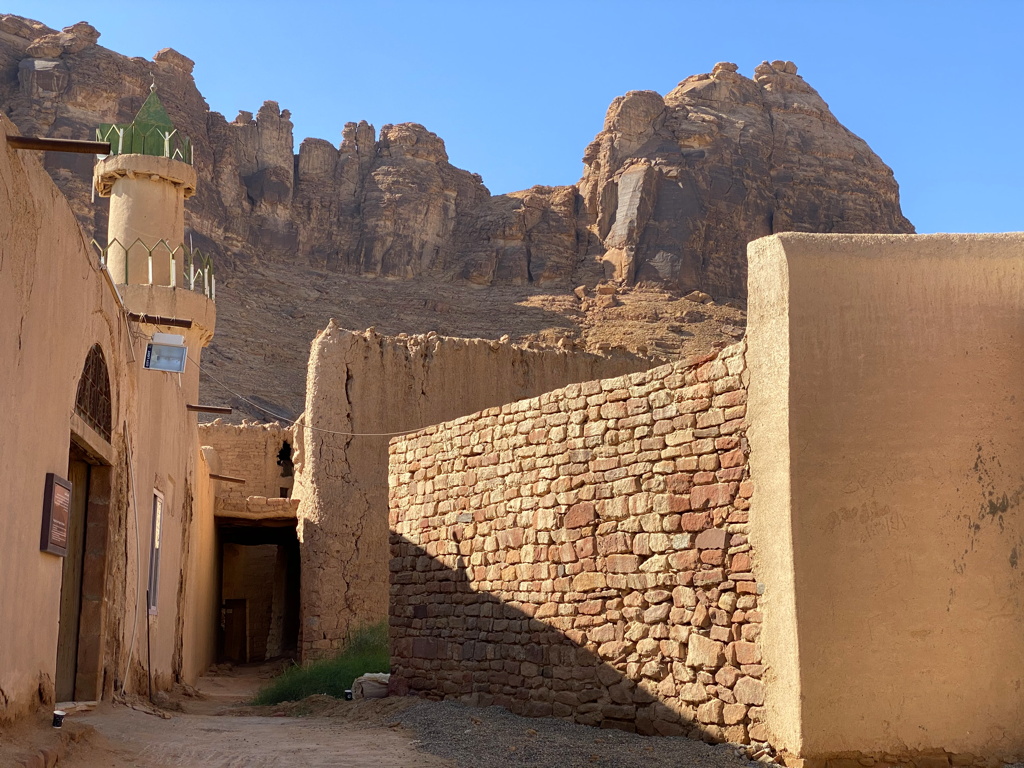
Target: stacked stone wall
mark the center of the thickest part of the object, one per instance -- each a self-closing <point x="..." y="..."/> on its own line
<point x="362" y="388"/>
<point x="584" y="554"/>
<point x="247" y="451"/>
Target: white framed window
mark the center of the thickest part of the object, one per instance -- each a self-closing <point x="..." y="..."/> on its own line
<point x="152" y="593"/>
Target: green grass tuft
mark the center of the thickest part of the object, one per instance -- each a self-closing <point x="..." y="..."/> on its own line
<point x="366" y="651"/>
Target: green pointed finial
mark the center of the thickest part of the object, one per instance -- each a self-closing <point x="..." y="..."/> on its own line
<point x="150" y="133"/>
<point x="153" y="111"/>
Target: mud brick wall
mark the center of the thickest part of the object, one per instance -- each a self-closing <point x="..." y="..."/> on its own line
<point x="248" y="451"/>
<point x="584" y="554"/>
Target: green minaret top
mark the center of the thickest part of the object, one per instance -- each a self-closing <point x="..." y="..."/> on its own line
<point x="150" y="133"/>
<point x="153" y="112"/>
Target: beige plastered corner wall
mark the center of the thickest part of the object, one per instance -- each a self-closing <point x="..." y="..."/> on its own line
<point x="53" y="308"/>
<point x="55" y="304"/>
<point x="368" y="383"/>
<point x="887" y="436"/>
<point x="201" y="605"/>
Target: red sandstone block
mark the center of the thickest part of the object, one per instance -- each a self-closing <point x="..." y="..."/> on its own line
<point x="695" y="521"/>
<point x="716" y="495"/>
<point x="678" y="503"/>
<point x="747" y="653"/>
<point x="693" y="406"/>
<point x="729" y="399"/>
<point x="746" y="587"/>
<point x="731" y="427"/>
<point x="733" y="458"/>
<point x="740" y="563"/>
<point x="683" y="561"/>
<point x="712" y="576"/>
<point x="679" y="483"/>
<point x="622" y="563"/>
<point x="730" y="475"/>
<point x="712" y="557"/>
<point x="726" y="443"/>
<point x="747" y="489"/>
<point x="716" y="369"/>
<point x="616" y="410"/>
<point x="614" y="543"/>
<point x="585" y="547"/>
<point x="736" y="412"/>
<point x="580" y="515"/>
<point x="713" y="538"/>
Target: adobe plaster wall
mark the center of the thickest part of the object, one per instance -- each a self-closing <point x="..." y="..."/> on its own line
<point x="199" y="608"/>
<point x="54" y="306"/>
<point x="367" y="383"/>
<point x="584" y="554"/>
<point x="249" y="452"/>
<point x="887" y="436"/>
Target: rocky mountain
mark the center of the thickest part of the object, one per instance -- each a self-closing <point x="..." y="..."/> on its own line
<point x="673" y="188"/>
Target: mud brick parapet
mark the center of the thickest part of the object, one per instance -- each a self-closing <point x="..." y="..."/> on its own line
<point x="584" y="554"/>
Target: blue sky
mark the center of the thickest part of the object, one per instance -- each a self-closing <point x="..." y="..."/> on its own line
<point x="518" y="89"/>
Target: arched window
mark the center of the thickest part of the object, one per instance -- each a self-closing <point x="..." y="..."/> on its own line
<point x="92" y="402"/>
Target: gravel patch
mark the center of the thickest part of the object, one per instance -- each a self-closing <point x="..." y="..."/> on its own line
<point x="493" y="737"/>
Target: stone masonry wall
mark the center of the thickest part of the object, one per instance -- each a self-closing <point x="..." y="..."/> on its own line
<point x="584" y="554"/>
<point x="361" y="389"/>
<point x="247" y="451"/>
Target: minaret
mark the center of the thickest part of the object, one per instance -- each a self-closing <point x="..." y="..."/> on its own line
<point x="163" y="285"/>
<point x="148" y="176"/>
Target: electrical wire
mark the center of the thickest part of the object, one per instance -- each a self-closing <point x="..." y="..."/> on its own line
<point x="295" y="422"/>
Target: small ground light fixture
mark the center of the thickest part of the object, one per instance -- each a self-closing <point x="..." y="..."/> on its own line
<point x="166" y="352"/>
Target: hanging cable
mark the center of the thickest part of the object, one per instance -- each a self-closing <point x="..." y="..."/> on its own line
<point x="294" y="422"/>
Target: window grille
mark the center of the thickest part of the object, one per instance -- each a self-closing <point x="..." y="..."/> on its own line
<point x="92" y="402"/>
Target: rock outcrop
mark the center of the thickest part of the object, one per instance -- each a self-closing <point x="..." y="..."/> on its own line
<point x="673" y="189"/>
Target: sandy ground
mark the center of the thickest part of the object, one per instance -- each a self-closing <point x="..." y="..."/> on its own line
<point x="130" y="738"/>
<point x="213" y="728"/>
<point x="206" y="734"/>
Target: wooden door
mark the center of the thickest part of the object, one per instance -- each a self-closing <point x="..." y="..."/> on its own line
<point x="71" y="582"/>
<point x="236" y="631"/>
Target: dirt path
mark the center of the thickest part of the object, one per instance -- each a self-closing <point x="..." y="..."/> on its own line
<point x="215" y="730"/>
<point x="205" y="734"/>
<point x="131" y="738"/>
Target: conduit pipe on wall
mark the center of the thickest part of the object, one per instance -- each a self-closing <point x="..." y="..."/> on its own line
<point x="138" y="557"/>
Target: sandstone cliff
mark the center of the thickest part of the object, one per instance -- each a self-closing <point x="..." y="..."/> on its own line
<point x="673" y="189"/>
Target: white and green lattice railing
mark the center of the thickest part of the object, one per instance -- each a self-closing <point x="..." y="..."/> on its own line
<point x="194" y="267"/>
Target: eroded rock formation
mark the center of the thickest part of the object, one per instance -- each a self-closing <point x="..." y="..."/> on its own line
<point x="673" y="189"/>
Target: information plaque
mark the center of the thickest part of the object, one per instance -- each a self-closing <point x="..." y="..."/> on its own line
<point x="56" y="515"/>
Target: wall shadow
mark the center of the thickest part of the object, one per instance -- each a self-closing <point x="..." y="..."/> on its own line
<point x="452" y="641"/>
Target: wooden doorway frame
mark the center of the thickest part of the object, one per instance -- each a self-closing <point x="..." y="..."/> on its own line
<point x="87" y="444"/>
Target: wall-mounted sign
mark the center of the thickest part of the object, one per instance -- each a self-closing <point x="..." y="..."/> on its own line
<point x="56" y="515"/>
<point x="166" y="352"/>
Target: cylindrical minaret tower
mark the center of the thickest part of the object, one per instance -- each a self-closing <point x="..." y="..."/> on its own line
<point x="162" y="284"/>
<point x="148" y="176"/>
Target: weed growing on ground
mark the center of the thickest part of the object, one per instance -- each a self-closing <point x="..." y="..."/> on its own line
<point x="366" y="651"/>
